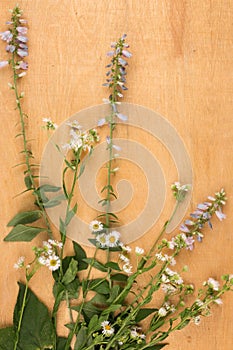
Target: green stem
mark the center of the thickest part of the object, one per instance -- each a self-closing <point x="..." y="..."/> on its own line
<point x="21" y="316"/>
<point x="26" y="152"/>
<point x="73" y="331"/>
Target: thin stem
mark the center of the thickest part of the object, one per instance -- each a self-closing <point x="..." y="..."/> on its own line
<point x="21" y="316"/>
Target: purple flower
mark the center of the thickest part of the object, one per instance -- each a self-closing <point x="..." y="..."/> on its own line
<point x="202" y="206"/>
<point x="117" y="148"/>
<point x="23" y="21"/>
<point x="22" y="53"/>
<point x="110" y="53"/>
<point x="184" y="228"/>
<point x="23" y="46"/>
<point x="3" y="64"/>
<point x="126" y="53"/>
<point x="22" y="30"/>
<point x="101" y="122"/>
<point x="122" y="61"/>
<point x="22" y="38"/>
<point x="220" y="215"/>
<point x="10" y="48"/>
<point x="189" y="242"/>
<point x="6" y="36"/>
<point x="122" y="116"/>
<point x="22" y="65"/>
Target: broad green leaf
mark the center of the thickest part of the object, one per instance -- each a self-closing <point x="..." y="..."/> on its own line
<point x="120" y="277"/>
<point x="81" y="339"/>
<point x="49" y="188"/>
<point x="113" y="265"/>
<point x="23" y="233"/>
<point x="93" y="307"/>
<point x="25" y="217"/>
<point x="53" y="202"/>
<point x="99" y="285"/>
<point x="143" y="313"/>
<point x="61" y="342"/>
<point x="37" y="330"/>
<point x="93" y="324"/>
<point x="80" y="254"/>
<point x="7" y="336"/>
<point x="71" y="272"/>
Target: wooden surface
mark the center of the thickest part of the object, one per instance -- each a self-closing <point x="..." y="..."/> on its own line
<point x="181" y="68"/>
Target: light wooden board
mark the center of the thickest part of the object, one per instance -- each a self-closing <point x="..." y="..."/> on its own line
<point x="181" y="68"/>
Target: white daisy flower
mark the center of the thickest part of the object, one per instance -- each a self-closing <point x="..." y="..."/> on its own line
<point x="127" y="268"/>
<point x="107" y="329"/>
<point x="139" y="251"/>
<point x="53" y="262"/>
<point x="102" y="239"/>
<point x="48" y="249"/>
<point x="20" y="263"/>
<point x="96" y="226"/>
<point x="55" y="243"/>
<point x="126" y="248"/>
<point x="42" y="260"/>
<point x="113" y="238"/>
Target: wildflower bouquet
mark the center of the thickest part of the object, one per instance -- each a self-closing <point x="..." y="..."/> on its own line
<point x="107" y="310"/>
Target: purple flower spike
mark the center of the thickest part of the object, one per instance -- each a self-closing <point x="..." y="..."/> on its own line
<point x="202" y="206"/>
<point x="122" y="116"/>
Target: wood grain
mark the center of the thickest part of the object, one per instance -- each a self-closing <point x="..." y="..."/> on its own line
<point x="181" y="68"/>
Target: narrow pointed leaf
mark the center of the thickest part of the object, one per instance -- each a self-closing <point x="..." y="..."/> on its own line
<point x="25" y="217"/>
<point x="23" y="233"/>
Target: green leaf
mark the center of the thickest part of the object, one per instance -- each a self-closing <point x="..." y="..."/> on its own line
<point x="37" y="330"/>
<point x="93" y="307"/>
<point x="120" y="277"/>
<point x="113" y="265"/>
<point x="25" y="217"/>
<point x="71" y="272"/>
<point x="93" y="324"/>
<point x="144" y="313"/>
<point x="81" y="339"/>
<point x="99" y="285"/>
<point x="23" y="233"/>
<point x="71" y="214"/>
<point x="7" y="336"/>
<point x="115" y="291"/>
<point x="61" y="342"/>
<point x="96" y="264"/>
<point x="80" y="254"/>
<point x="111" y="308"/>
<point x="157" y="346"/>
<point x="49" y="188"/>
<point x="28" y="182"/>
<point x="53" y="202"/>
<point x="183" y="324"/>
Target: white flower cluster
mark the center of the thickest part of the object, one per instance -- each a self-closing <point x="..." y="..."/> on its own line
<point x="165" y="258"/>
<point x="165" y="309"/>
<point x="171" y="281"/>
<point x="47" y="255"/>
<point x="50" y="125"/>
<point x="80" y="139"/>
